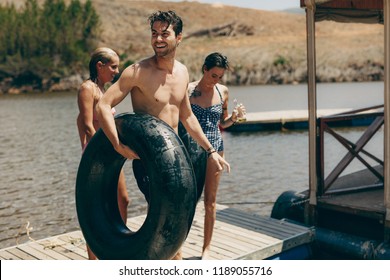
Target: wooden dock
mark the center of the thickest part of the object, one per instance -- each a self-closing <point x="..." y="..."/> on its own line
<point x="237" y="235"/>
<point x="291" y="119"/>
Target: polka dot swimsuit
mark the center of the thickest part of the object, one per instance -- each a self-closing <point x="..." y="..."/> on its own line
<point x="209" y="121"/>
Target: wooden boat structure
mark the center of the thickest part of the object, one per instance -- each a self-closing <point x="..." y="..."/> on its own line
<point x="350" y="213"/>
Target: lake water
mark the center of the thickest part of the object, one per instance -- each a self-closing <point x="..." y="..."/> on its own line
<point x="40" y="153"/>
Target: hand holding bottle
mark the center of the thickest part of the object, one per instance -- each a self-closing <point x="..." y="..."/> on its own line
<point x="240" y="111"/>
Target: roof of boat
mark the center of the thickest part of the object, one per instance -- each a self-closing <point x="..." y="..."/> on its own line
<point x="364" y="11"/>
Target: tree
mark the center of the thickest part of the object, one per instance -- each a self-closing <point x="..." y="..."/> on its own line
<point x="47" y="40"/>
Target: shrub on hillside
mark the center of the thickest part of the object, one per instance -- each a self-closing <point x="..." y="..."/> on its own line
<point x="42" y="41"/>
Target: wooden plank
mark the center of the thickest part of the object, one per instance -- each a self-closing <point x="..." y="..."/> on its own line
<point x="61" y="249"/>
<point x="189" y="252"/>
<point x="295" y="236"/>
<point x="224" y="243"/>
<point x="260" y="221"/>
<point x="271" y="247"/>
<point x="236" y="235"/>
<point x="47" y="247"/>
<point x="20" y="254"/>
<point x="34" y="252"/>
<point x="74" y="246"/>
<point x="231" y="237"/>
<point x="6" y="255"/>
<point x="229" y="244"/>
<point x="137" y="222"/>
<point x="266" y="226"/>
<point x="219" y="246"/>
<point x="265" y="253"/>
<point x="220" y="237"/>
<point x="249" y="236"/>
<point x="259" y="245"/>
<point x="245" y="237"/>
<point x="194" y="240"/>
<point x="79" y="248"/>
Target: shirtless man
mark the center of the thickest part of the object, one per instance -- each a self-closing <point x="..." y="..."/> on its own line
<point x="158" y="86"/>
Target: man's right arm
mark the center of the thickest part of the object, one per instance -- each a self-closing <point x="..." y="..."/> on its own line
<point x="113" y="96"/>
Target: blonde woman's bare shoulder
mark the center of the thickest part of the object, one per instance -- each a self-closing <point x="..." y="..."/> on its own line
<point x="87" y="88"/>
<point x="87" y="85"/>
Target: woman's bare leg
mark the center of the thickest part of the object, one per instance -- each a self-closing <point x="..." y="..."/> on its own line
<point x="210" y="202"/>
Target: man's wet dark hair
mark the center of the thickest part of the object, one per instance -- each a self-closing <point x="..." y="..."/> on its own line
<point x="169" y="17"/>
<point x="215" y="60"/>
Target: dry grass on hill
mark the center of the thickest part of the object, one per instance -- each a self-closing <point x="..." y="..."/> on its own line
<point x="277" y="37"/>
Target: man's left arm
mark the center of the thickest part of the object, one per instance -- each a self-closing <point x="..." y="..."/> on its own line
<point x="193" y="127"/>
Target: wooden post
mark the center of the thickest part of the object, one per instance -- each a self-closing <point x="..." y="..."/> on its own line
<point x="312" y="107"/>
<point x="386" y="171"/>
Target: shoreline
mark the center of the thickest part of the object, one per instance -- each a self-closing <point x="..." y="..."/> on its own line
<point x="275" y="75"/>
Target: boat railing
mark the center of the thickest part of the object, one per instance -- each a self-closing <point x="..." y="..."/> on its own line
<point x="373" y="118"/>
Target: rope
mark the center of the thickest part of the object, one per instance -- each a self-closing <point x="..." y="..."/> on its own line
<point x="27" y="229"/>
<point x="248" y="202"/>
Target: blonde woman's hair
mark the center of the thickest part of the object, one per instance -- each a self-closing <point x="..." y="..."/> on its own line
<point x="102" y="54"/>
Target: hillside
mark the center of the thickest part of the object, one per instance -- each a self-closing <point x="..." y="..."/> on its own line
<point x="264" y="47"/>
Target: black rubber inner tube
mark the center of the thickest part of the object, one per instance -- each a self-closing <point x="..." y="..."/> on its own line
<point x="173" y="190"/>
<point x="198" y="158"/>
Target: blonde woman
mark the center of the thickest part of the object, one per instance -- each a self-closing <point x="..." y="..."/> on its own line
<point x="103" y="67"/>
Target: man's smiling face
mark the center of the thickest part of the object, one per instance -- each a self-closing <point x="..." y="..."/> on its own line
<point x="164" y="41"/>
